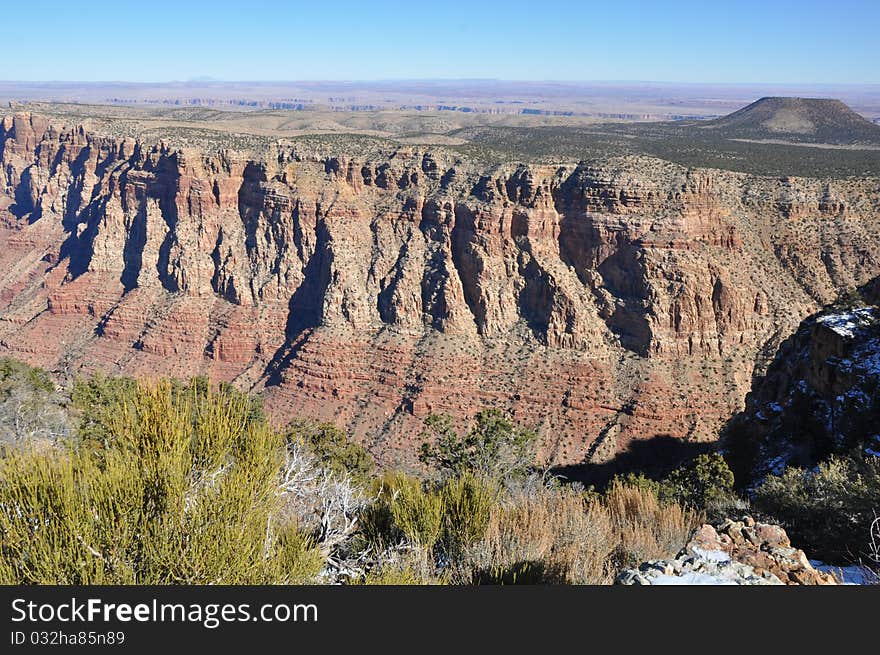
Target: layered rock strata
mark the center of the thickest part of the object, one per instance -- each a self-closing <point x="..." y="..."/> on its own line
<point x="597" y="302"/>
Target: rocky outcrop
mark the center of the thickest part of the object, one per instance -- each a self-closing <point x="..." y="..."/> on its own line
<point x="735" y="553"/>
<point x="820" y="395"/>
<point x="629" y="298"/>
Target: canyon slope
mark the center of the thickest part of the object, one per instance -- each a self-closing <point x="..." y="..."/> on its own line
<point x="372" y="282"/>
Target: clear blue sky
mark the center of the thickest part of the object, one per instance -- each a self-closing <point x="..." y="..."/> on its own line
<point x="688" y="41"/>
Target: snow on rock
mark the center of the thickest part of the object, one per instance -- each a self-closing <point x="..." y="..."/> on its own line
<point x="710" y="555"/>
<point x="846" y="324"/>
<point x="735" y="553"/>
<point x="820" y="395"/>
<point x="692" y="579"/>
<point x="689" y="570"/>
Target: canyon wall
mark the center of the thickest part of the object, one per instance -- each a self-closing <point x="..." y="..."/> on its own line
<point x="598" y="302"/>
<point x="820" y="396"/>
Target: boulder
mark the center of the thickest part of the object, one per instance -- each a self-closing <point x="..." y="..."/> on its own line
<point x="742" y="552"/>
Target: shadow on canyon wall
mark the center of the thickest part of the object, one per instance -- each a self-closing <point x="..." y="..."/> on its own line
<point x="655" y="458"/>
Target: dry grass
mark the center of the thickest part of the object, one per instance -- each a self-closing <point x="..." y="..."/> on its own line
<point x="552" y="534"/>
<point x="644" y="527"/>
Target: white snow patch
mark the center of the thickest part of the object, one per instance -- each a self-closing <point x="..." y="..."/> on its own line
<point x="847" y="323"/>
<point x="711" y="555"/>
<point x="851" y="575"/>
<point x="691" y="579"/>
<point x="868" y="358"/>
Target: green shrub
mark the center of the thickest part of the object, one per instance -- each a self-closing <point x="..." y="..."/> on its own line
<point x="377" y="529"/>
<point x="417" y="513"/>
<point x="467" y="506"/>
<point x="398" y="573"/>
<point x="14" y="373"/>
<point x="93" y="399"/>
<point x="30" y="407"/>
<point x="638" y="481"/>
<point x="170" y="484"/>
<point x="704" y="482"/>
<point x="826" y="511"/>
<point x="493" y="447"/>
<point x="184" y="482"/>
<point x="522" y="573"/>
<point x="334" y="450"/>
<point x="402" y="511"/>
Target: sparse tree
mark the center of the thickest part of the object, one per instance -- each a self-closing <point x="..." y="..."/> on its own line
<point x="494" y="447"/>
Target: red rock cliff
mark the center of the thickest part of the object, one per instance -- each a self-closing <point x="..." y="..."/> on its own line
<point x="598" y="303"/>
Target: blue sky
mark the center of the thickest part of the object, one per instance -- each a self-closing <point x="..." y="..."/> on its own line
<point x="706" y="41"/>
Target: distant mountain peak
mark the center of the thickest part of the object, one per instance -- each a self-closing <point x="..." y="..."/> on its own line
<point x="810" y="120"/>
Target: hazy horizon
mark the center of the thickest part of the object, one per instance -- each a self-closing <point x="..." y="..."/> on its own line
<point x="404" y="80"/>
<point x="599" y="98"/>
